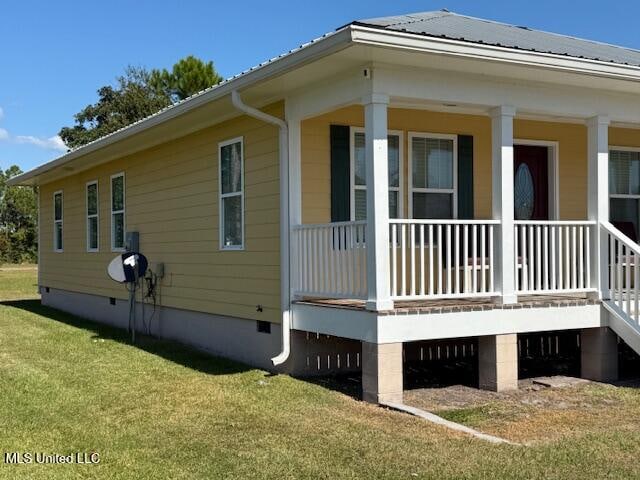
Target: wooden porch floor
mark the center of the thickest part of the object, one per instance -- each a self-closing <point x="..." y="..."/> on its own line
<point x="458" y="305"/>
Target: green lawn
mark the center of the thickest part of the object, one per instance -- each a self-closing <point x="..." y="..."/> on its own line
<point x="18" y="282"/>
<point x="158" y="410"/>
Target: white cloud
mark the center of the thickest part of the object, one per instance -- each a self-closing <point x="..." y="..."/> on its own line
<point x="51" y="143"/>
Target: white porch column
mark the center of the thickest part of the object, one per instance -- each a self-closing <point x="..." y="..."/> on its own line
<point x="375" y="122"/>
<point x="598" y="199"/>
<point x="295" y="197"/>
<point x="502" y="199"/>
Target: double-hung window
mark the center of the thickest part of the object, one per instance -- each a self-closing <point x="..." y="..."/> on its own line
<point x="57" y="221"/>
<point x="117" y="212"/>
<point x="359" y="175"/>
<point x="92" y="216"/>
<point x="433" y="181"/>
<point x="231" y="197"/>
<point x="624" y="190"/>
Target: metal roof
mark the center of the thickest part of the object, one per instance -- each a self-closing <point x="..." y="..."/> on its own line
<point x="449" y="25"/>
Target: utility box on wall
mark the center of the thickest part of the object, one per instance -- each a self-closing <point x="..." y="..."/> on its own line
<point x="132" y="242"/>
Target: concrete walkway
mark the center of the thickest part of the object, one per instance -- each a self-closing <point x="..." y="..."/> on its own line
<point x="445" y="423"/>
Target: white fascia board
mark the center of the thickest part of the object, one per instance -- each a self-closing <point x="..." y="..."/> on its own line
<point x="338" y="322"/>
<point x="315" y="50"/>
<point x="443" y="46"/>
<point x="371" y="327"/>
<point x="413" y="327"/>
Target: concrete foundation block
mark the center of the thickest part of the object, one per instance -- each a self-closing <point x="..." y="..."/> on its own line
<point x="382" y="372"/>
<point x="498" y="362"/>
<point x="599" y="354"/>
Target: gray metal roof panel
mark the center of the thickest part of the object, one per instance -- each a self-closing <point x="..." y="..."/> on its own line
<point x="453" y="26"/>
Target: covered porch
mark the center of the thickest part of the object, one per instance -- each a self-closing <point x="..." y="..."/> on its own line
<point x="468" y="203"/>
<point x="437" y="195"/>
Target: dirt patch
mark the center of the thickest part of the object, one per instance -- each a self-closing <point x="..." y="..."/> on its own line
<point x="535" y="412"/>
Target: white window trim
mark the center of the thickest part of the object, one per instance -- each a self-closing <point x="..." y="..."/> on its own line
<point x="629" y="196"/>
<point x="61" y="221"/>
<point x="352" y="171"/>
<point x="123" y="211"/>
<point x="413" y="190"/>
<point x="96" y="215"/>
<point x="221" y="196"/>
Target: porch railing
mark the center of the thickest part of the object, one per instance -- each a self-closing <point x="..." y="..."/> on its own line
<point x="553" y="256"/>
<point x="623" y="291"/>
<point x="433" y="259"/>
<point x="331" y="260"/>
<point x="442" y="258"/>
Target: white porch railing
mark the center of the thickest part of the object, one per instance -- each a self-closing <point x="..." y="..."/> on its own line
<point x="331" y="260"/>
<point x="442" y="258"/>
<point x="553" y="256"/>
<point x="624" y="273"/>
<point x="432" y="259"/>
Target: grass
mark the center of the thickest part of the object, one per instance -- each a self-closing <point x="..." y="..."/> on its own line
<point x="18" y="281"/>
<point x="554" y="414"/>
<point x="158" y="410"/>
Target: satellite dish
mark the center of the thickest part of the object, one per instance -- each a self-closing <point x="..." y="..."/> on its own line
<point x="128" y="267"/>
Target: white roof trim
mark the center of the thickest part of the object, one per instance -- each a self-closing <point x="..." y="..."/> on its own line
<point x="424" y="43"/>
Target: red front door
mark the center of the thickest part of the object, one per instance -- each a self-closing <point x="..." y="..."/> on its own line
<point x="531" y="182"/>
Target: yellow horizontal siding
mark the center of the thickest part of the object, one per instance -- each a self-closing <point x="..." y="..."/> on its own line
<point x="172" y="200"/>
<point x="316" y="161"/>
<point x="572" y="164"/>
<point x="624" y="137"/>
<point x="571" y="138"/>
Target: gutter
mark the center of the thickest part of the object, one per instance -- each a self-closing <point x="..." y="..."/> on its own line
<point x="285" y="226"/>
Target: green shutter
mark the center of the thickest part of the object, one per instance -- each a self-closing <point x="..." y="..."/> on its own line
<point x="340" y="174"/>
<point x="465" y="177"/>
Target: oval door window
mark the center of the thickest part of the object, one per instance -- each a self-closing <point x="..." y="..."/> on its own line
<point x="523" y="193"/>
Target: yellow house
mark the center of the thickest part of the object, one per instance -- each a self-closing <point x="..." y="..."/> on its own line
<point x="398" y="181"/>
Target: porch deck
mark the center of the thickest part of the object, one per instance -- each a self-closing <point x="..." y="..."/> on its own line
<point x="457" y="304"/>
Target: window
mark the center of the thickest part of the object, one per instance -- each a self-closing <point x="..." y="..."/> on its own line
<point x="359" y="175"/>
<point x="92" y="216"/>
<point x="624" y="190"/>
<point x="57" y="221"/>
<point x="231" y="188"/>
<point x="432" y="166"/>
<point x="117" y="212"/>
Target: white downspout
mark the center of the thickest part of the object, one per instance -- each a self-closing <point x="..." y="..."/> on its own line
<point x="285" y="229"/>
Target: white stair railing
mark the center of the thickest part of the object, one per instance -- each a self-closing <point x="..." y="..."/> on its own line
<point x="553" y="256"/>
<point x="331" y="260"/>
<point x="623" y="291"/>
<point x="442" y="258"/>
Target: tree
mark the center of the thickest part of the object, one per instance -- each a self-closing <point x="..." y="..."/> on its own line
<point x="18" y="220"/>
<point x="137" y="94"/>
<point x="133" y="99"/>
<point x="188" y="76"/>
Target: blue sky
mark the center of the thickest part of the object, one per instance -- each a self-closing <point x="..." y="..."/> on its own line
<point x="56" y="55"/>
